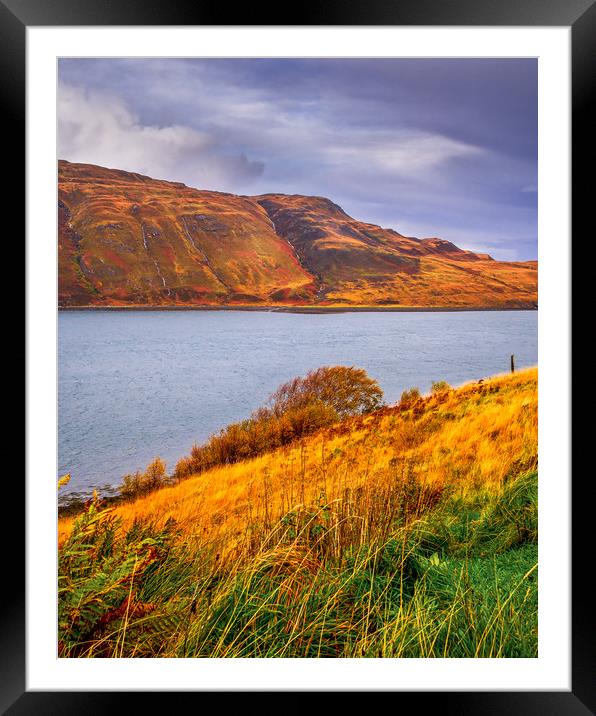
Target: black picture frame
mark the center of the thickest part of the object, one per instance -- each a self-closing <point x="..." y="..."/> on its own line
<point x="580" y="15"/>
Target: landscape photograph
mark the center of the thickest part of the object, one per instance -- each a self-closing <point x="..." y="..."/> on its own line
<point x="297" y="358"/>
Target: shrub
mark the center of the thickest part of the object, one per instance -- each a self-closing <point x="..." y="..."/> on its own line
<point x="296" y="409"/>
<point x="155" y="475"/>
<point x="261" y="433"/>
<point x="132" y="484"/>
<point x="349" y="391"/>
<point x="139" y="483"/>
<point x="440" y="386"/>
<point x="409" y="396"/>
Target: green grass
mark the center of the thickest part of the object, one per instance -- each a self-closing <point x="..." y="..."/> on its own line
<point x="458" y="580"/>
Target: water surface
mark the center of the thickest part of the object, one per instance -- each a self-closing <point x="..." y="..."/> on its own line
<point x="137" y="384"/>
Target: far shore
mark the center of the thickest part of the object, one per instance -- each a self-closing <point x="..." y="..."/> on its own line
<point x="304" y="309"/>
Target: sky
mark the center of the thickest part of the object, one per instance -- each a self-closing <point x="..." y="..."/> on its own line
<point x="429" y="147"/>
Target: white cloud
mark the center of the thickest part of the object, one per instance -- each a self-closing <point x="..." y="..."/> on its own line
<point x="402" y="153"/>
<point x="97" y="128"/>
<point x="308" y="132"/>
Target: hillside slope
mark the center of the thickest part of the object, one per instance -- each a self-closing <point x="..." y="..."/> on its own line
<point x="127" y="239"/>
<point x="356" y="262"/>
<point x="474" y="436"/>
<point x="410" y="532"/>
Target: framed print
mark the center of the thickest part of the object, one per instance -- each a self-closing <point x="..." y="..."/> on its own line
<point x="294" y="296"/>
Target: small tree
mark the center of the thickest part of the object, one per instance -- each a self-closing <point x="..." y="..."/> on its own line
<point x="347" y="390"/>
<point x="155" y="475"/>
<point x="139" y="483"/>
<point x="132" y="484"/>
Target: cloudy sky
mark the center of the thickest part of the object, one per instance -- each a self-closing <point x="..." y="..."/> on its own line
<point x="429" y="147"/>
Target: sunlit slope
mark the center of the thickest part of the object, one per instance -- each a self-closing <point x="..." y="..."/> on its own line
<point x="473" y="438"/>
<point x="127" y="239"/>
<point x="355" y="262"/>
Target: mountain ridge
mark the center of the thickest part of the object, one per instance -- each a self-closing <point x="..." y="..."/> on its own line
<point x="126" y="239"/>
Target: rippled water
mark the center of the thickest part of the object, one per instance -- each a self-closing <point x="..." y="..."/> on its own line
<point x="136" y="384"/>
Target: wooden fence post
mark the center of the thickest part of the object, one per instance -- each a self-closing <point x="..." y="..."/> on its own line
<point x="512" y="363"/>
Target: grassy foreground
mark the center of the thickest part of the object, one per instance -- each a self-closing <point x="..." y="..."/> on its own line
<point x="409" y="532"/>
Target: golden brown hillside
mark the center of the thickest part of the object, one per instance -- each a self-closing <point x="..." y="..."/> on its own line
<point x="355" y="262"/>
<point x="471" y="438"/>
<point x="127" y="239"/>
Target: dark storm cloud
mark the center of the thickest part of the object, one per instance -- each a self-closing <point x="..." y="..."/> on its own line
<point x="428" y="147"/>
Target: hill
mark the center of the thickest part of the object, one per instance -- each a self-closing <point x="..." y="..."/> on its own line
<point x="410" y="531"/>
<point x="125" y="239"/>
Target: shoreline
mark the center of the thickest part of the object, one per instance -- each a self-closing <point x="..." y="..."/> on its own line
<point x="306" y="309"/>
<point x="71" y="503"/>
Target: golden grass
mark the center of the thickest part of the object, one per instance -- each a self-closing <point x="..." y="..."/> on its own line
<point x="445" y="282"/>
<point x="469" y="438"/>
